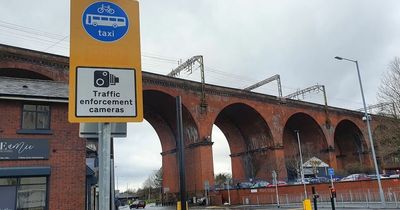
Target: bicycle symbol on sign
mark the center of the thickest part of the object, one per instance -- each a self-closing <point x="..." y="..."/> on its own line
<point x="106" y="9"/>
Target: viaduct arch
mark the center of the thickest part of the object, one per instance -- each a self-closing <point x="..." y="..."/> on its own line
<point x="249" y="139"/>
<point x="312" y="138"/>
<point x="259" y="128"/>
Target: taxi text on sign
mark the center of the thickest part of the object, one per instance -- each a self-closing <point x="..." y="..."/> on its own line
<point x="105" y="83"/>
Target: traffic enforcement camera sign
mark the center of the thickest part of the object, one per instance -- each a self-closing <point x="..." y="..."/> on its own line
<point x="107" y="95"/>
<point x="105" y="65"/>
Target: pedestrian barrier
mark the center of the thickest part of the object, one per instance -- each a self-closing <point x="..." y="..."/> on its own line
<point x="366" y="198"/>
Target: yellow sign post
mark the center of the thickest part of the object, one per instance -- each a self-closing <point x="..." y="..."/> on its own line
<point x="105" y="83"/>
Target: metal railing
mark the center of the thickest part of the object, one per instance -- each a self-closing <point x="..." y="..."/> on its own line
<point x="366" y="198"/>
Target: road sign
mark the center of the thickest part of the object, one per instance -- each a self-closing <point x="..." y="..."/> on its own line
<point x="105" y="62"/>
<point x="331" y="172"/>
<point x="105" y="21"/>
<point x="102" y="92"/>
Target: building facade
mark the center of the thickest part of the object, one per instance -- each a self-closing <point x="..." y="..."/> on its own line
<point x="42" y="158"/>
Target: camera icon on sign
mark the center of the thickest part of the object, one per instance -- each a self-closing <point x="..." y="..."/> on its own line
<point x="104" y="79"/>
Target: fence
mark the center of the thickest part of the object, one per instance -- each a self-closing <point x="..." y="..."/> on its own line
<point x="345" y="198"/>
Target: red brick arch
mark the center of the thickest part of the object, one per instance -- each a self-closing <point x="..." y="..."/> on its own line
<point x="350" y="145"/>
<point x="35" y="70"/>
<point x="160" y="111"/>
<point x="249" y="138"/>
<point x="312" y="140"/>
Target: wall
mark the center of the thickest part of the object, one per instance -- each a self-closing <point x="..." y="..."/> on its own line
<point x="295" y="193"/>
<point x="66" y="156"/>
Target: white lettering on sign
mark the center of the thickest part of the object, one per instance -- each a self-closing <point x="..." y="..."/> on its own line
<point x="20" y="147"/>
<point x="106" y="33"/>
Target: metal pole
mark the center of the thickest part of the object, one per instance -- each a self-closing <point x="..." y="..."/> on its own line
<point x="277" y="195"/>
<point x="370" y="139"/>
<point x="314" y="198"/>
<point x="301" y="164"/>
<point x="382" y="197"/>
<point x="117" y="180"/>
<point x="181" y="152"/>
<point x="334" y="199"/>
<point x="104" y="165"/>
<point x="274" y="176"/>
<point x="112" y="179"/>
<point x="229" y="194"/>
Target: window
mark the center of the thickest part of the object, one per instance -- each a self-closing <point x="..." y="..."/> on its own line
<point x="104" y="18"/>
<point x="96" y="18"/>
<point x="36" y="117"/>
<point x="24" y="193"/>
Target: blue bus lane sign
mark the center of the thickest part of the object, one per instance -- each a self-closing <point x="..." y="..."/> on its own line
<point x="105" y="21"/>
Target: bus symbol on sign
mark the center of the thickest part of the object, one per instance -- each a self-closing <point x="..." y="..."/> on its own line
<point x="105" y="21"/>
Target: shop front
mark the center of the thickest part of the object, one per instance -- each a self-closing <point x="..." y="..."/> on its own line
<point x="24" y="187"/>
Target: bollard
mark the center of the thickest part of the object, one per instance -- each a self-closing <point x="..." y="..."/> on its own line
<point x="179" y="206"/>
<point x="307" y="204"/>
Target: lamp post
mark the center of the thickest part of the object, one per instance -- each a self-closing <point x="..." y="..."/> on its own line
<point x="229" y="194"/>
<point x="369" y="130"/>
<point x="301" y="164"/>
<point x="116" y="176"/>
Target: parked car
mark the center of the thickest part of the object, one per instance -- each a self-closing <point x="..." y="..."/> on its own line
<point x="244" y="185"/>
<point x="355" y="177"/>
<point x="319" y="180"/>
<point x="382" y="176"/>
<point x="137" y="204"/>
<point x="394" y="176"/>
<point x="306" y="181"/>
<point x="260" y="184"/>
<point x="280" y="183"/>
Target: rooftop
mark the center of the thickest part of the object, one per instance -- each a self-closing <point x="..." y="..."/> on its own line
<point x="33" y="88"/>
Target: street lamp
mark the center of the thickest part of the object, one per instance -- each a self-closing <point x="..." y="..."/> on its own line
<point x="229" y="194"/>
<point x="116" y="176"/>
<point x="369" y="129"/>
<point x="301" y="164"/>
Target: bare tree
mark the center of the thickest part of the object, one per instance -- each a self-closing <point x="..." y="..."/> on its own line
<point x="387" y="137"/>
<point x="222" y="178"/>
<point x="387" y="134"/>
<point x="389" y="90"/>
<point x="154" y="180"/>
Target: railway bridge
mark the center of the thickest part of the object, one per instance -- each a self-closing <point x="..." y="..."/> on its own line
<point x="260" y="129"/>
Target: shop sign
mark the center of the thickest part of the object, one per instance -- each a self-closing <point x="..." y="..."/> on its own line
<point x="24" y="149"/>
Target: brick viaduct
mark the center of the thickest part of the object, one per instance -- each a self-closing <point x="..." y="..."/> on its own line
<point x="259" y="128"/>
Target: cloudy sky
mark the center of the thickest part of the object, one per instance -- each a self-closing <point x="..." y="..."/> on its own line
<point x="243" y="42"/>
